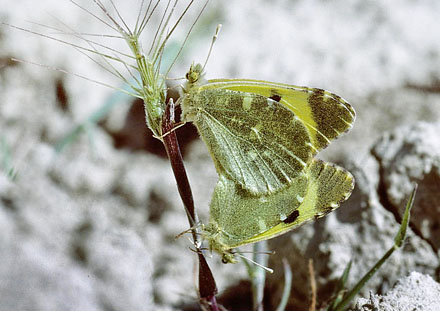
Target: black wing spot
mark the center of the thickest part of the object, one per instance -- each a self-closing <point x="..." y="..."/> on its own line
<point x="276" y="97"/>
<point x="292" y="217"/>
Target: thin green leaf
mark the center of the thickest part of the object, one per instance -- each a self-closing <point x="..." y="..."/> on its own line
<point x="258" y="276"/>
<point x="287" y="286"/>
<point x="94" y="118"/>
<point x="6" y="159"/>
<point x="340" y="288"/>
<point x="398" y="241"/>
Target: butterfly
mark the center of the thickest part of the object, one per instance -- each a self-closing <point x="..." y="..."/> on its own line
<point x="263" y="138"/>
<point x="238" y="218"/>
<point x="262" y="134"/>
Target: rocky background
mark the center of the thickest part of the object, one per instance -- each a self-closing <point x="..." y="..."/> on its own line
<point x="90" y="223"/>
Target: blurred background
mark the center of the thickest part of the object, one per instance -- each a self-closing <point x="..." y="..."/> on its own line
<point x="89" y="209"/>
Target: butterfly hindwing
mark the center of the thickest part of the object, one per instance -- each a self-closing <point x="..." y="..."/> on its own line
<point x="329" y="185"/>
<point x="239" y="216"/>
<point x="236" y="218"/>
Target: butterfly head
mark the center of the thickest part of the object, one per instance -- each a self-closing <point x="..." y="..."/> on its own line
<point x="213" y="233"/>
<point x="195" y="76"/>
<point x="228" y="257"/>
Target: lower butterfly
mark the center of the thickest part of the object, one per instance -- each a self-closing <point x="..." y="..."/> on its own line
<point x="237" y="218"/>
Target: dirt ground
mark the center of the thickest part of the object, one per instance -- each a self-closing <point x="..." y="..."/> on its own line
<point x="88" y="221"/>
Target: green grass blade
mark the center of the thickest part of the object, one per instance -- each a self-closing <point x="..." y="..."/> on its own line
<point x="340" y="288"/>
<point x="6" y="159"/>
<point x="258" y="275"/>
<point x="95" y="117"/>
<point x="287" y="286"/>
<point x="398" y="241"/>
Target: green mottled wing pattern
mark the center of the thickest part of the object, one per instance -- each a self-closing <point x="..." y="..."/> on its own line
<point x="262" y="134"/>
<point x="263" y="137"/>
<point x="326" y="115"/>
<point x="237" y="219"/>
<point x="253" y="140"/>
<point x="329" y="186"/>
<point x="240" y="216"/>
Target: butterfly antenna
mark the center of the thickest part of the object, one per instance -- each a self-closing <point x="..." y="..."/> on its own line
<point x="255" y="263"/>
<point x="214" y="38"/>
<point x="264" y="253"/>
<point x="175" y="79"/>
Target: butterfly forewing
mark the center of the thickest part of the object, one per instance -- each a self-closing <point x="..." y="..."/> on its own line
<point x="254" y="140"/>
<point x="325" y="115"/>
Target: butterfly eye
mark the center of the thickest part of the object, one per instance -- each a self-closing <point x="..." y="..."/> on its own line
<point x="228" y="258"/>
<point x="192" y="76"/>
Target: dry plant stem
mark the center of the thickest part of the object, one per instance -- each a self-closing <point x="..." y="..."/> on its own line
<point x="173" y="151"/>
<point x="207" y="286"/>
<point x="312" y="286"/>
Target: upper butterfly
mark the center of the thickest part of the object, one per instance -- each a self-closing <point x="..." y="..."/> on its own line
<point x="262" y="135"/>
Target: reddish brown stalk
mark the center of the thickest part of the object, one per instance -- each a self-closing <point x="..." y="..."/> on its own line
<point x="207" y="286"/>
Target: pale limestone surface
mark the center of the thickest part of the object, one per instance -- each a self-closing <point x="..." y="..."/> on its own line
<point x="93" y="227"/>
<point x="415" y="292"/>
